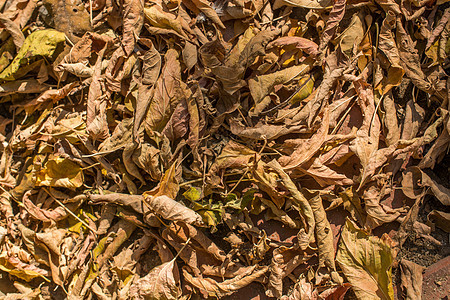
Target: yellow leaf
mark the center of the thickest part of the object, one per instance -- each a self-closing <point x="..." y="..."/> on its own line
<point x="39" y="43"/>
<point x="366" y="262"/>
<point x="76" y="226"/>
<point x="60" y="172"/>
<point x="306" y="86"/>
<point x="15" y="270"/>
<point x="432" y="52"/>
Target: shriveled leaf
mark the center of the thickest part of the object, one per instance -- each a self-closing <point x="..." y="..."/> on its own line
<point x="303" y="44"/>
<point x="172" y="210"/>
<point x="17" y="268"/>
<point x="302" y="290"/>
<point x="411" y="276"/>
<point x="324" y="237"/>
<point x="159" y="283"/>
<point x="284" y="261"/>
<point x="212" y="288"/>
<point x="262" y="85"/>
<point x="440" y="219"/>
<point x="315" y="4"/>
<point x="233" y="156"/>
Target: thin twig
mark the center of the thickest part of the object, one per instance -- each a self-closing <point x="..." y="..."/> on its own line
<point x="338" y="125"/>
<point x="90" y="13"/>
<point x="375" y="113"/>
<point x="248" y="168"/>
<point x="70" y="212"/>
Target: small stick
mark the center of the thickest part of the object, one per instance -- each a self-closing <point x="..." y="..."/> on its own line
<point x="375" y="113"/>
<point x="70" y="212"/>
<point x="248" y="169"/>
<point x="90" y="13"/>
<point x="338" y="125"/>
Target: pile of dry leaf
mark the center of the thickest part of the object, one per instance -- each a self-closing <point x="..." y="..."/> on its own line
<point x="177" y="149"/>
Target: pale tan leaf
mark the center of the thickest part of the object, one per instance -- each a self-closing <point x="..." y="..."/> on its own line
<point x="261" y="86"/>
<point x="212" y="288"/>
<point x="306" y="148"/>
<point x="411" y="276"/>
<point x="284" y="261"/>
<point x="133" y="20"/>
<point x="159" y="283"/>
<point x="324" y="238"/>
<point x="172" y="210"/>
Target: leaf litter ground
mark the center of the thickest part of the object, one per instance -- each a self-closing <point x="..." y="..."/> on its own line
<point x="180" y="149"/>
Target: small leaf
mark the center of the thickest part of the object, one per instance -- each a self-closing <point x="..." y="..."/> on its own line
<point x="192" y="194"/>
<point x="211" y="212"/>
<point x="306" y="86"/>
<point x="60" y="172"/>
<point x="239" y="203"/>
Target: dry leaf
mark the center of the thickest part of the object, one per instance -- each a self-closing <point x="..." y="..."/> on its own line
<point x="159" y="283"/>
<point x="172" y="210"/>
<point x="212" y="288"/>
<point x="411" y="277"/>
<point x="440" y="219"/>
<point x="255" y="111"/>
<point x="39" y="43"/>
<point x="60" y="172"/>
<point x="366" y="262"/>
<point x="70" y="17"/>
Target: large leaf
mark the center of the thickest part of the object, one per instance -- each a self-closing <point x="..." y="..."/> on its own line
<point x="169" y="91"/>
<point x="39" y="43"/>
<point x="172" y="210"/>
<point x="366" y="262"/>
<point x="159" y="283"/>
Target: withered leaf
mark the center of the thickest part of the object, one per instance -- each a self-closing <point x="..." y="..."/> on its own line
<point x="60" y="172"/>
<point x="39" y="43"/>
<point x="159" y="283"/>
<point x="70" y="17"/>
<point x="212" y="288"/>
<point x="366" y="262"/>
<point x="172" y="210"/>
<point x="237" y="135"/>
<point x="411" y="277"/>
<point x="169" y="91"/>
